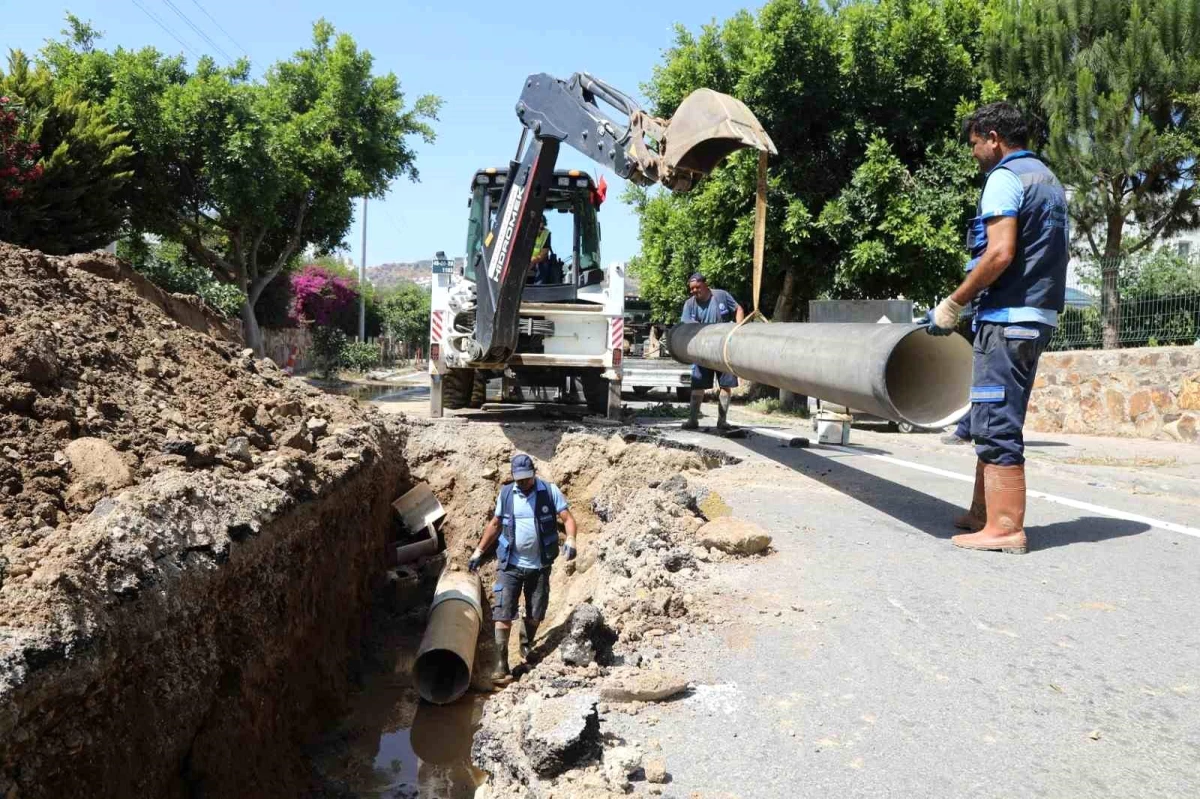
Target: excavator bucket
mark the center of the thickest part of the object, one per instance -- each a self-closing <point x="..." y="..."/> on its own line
<point x="705" y="128"/>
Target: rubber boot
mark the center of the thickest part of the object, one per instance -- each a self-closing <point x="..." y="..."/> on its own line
<point x="502" y="671"/>
<point x="976" y="518"/>
<point x="723" y="400"/>
<point x="1004" y="489"/>
<point x="693" y="420"/>
<point x="528" y="633"/>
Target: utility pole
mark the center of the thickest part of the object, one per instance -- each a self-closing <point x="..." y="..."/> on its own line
<point x="362" y="280"/>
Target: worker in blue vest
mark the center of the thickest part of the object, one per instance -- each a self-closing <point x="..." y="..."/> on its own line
<point x="525" y="521"/>
<point x="1018" y="241"/>
<point x="709" y="307"/>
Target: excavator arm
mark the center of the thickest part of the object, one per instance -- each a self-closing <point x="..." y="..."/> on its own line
<point x="676" y="153"/>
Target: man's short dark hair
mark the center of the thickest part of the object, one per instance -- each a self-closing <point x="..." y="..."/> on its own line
<point x="1004" y="118"/>
<point x="696" y="278"/>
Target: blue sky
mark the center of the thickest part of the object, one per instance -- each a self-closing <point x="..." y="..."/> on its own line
<point x="474" y="55"/>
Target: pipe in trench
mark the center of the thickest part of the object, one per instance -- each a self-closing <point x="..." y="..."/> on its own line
<point x="894" y="371"/>
<point x="407" y="553"/>
<point x="444" y="661"/>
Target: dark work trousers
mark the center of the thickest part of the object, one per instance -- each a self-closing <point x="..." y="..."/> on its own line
<point x="1006" y="358"/>
<point x="963" y="428"/>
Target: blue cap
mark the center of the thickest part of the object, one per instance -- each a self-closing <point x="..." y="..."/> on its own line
<point x="522" y="466"/>
<point x="697" y="277"/>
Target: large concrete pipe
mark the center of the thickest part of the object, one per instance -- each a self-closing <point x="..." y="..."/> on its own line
<point x="447" y="654"/>
<point x="895" y="371"/>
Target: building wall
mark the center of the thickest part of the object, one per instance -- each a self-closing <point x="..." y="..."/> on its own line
<point x="1151" y="392"/>
<point x="279" y="343"/>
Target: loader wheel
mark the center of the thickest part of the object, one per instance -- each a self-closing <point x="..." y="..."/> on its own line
<point x="641" y="391"/>
<point x="457" y="388"/>
<point x="478" y="390"/>
<point x="683" y="393"/>
<point x="595" y="392"/>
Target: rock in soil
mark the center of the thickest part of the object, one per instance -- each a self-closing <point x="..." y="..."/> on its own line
<point x="620" y="763"/>
<point x="96" y="471"/>
<point x="656" y="771"/>
<point x="645" y="686"/>
<point x="588" y="638"/>
<point x="733" y="536"/>
<point x="562" y="733"/>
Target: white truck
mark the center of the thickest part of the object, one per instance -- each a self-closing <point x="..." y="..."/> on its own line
<point x="571" y="322"/>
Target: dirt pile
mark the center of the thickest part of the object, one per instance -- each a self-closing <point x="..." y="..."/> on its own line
<point x="180" y="526"/>
<point x="85" y="354"/>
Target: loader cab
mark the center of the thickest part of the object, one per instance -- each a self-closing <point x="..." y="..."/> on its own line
<point x="574" y="234"/>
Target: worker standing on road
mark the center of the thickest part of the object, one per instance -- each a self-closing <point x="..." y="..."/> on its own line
<point x="1019" y="239"/>
<point x="526" y="522"/>
<point x="710" y="307"/>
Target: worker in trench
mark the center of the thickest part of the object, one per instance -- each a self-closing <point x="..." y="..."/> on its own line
<point x="1018" y="241"/>
<point x="710" y="307"/>
<point x="525" y="523"/>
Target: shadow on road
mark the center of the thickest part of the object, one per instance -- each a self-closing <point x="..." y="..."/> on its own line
<point x="922" y="511"/>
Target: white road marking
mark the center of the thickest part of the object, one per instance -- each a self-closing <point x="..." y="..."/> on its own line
<point x="1067" y="501"/>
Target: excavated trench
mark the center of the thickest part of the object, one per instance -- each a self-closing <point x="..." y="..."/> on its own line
<point x="195" y="598"/>
<point x="391" y="744"/>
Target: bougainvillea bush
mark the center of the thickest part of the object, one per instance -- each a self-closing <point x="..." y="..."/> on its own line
<point x="18" y="156"/>
<point x="318" y="295"/>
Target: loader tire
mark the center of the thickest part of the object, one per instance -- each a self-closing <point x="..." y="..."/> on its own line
<point x="457" y="388"/>
<point x="595" y="393"/>
<point x="478" y="390"/>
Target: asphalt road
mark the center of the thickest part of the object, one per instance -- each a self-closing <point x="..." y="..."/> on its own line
<point x="869" y="658"/>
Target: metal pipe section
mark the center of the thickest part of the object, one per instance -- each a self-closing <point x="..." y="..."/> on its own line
<point x="894" y="371"/>
<point x="444" y="661"/>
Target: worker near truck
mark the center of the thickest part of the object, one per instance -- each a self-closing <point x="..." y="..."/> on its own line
<point x="1018" y="240"/>
<point x="525" y="522"/>
<point x="709" y="306"/>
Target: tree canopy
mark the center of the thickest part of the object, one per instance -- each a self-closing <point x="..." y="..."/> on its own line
<point x="72" y="195"/>
<point x="246" y="174"/>
<point x="868" y="195"/>
<point x="1115" y="88"/>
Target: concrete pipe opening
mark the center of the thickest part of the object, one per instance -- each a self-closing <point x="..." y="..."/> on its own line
<point x="443" y="665"/>
<point x="928" y="378"/>
<point x="442" y="676"/>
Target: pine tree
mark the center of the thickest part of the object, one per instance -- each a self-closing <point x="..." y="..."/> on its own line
<point x="77" y="202"/>
<point x="1114" y="86"/>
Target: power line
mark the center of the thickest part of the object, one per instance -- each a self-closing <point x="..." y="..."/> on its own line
<point x="163" y="25"/>
<point x="204" y="11"/>
<point x="199" y="32"/>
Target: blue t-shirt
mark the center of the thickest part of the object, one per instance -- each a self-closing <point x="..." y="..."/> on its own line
<point x="721" y="307"/>
<point x="1002" y="196"/>
<point x="527" y="550"/>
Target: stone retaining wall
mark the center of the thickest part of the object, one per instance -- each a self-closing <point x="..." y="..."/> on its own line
<point x="279" y="343"/>
<point x="1152" y="392"/>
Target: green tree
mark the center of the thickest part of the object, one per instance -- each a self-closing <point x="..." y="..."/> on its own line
<point x="1114" y="86"/>
<point x="826" y="82"/>
<point x="247" y="175"/>
<point x="406" y="315"/>
<point x="78" y="202"/>
<point x="899" y="231"/>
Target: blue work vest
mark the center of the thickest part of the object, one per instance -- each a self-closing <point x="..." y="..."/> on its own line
<point x="1037" y="276"/>
<point x="545" y="521"/>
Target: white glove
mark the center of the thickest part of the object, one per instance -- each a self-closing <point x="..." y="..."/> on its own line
<point x="946" y="314"/>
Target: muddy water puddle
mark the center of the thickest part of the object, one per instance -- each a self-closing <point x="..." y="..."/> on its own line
<point x="370" y="392"/>
<point x="391" y="745"/>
